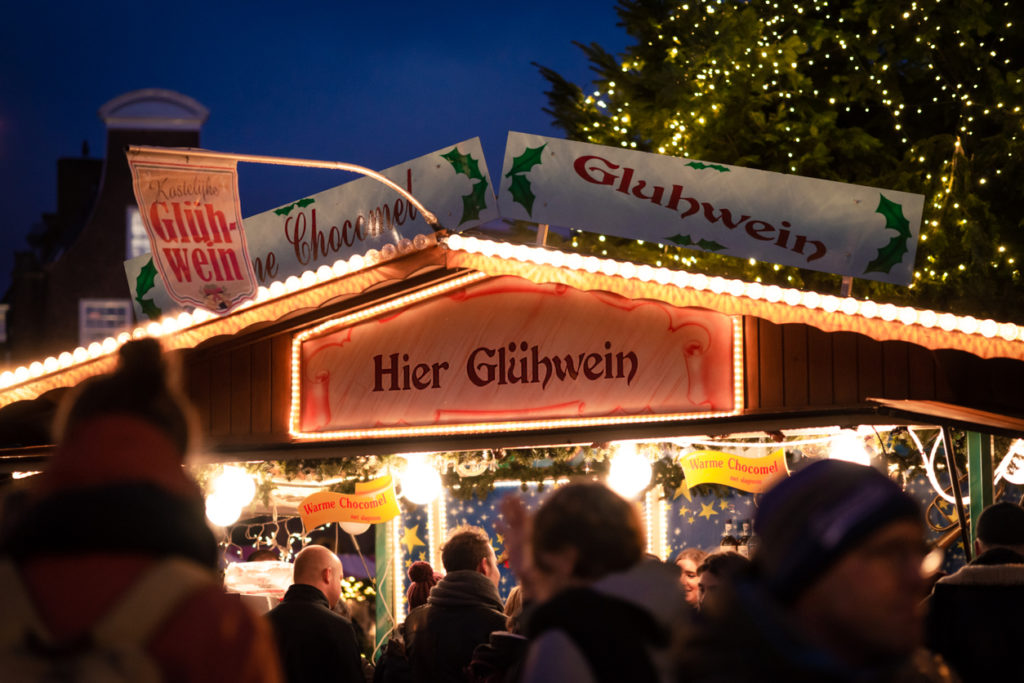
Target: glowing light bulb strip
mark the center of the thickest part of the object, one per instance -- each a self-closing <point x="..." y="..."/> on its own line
<point x="188" y="329"/>
<point x="931" y="329"/>
<point x="398" y="575"/>
<point x="656" y="522"/>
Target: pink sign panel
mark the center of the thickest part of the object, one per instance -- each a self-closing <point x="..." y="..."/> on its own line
<point x="508" y="350"/>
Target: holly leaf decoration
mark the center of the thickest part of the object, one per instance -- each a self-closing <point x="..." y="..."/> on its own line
<point x="303" y="203"/>
<point x="710" y="245"/>
<point x="700" y="165"/>
<point x="150" y="309"/>
<point x="522" y="193"/>
<point x="285" y="210"/>
<point x="891" y="254"/>
<point x="464" y="163"/>
<point x="474" y="202"/>
<point x="146" y="279"/>
<point x="681" y="240"/>
<point x="525" y="161"/>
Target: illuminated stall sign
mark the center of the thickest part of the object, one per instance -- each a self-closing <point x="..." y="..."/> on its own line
<point x="512" y="353"/>
<point x="810" y="223"/>
<point x="192" y="215"/>
<point x="740" y="472"/>
<point x="373" y="502"/>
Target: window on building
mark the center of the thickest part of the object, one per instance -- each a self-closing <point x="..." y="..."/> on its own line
<point x="137" y="239"/>
<point x="102" y="318"/>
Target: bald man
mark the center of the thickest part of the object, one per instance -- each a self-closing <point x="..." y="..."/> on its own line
<point x="315" y="643"/>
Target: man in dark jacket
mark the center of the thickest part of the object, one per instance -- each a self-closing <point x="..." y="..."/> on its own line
<point x="463" y="609"/>
<point x="315" y="643"/>
<point x="974" y="614"/>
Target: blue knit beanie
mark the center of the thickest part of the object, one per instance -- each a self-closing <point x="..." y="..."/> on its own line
<point x="809" y="520"/>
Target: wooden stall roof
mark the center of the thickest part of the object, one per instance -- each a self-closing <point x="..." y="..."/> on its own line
<point x="810" y="359"/>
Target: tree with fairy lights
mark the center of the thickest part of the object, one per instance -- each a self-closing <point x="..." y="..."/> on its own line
<point x="923" y="97"/>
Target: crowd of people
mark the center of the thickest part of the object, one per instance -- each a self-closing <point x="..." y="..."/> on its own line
<point x="836" y="591"/>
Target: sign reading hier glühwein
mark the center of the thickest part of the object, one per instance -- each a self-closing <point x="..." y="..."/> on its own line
<point x="791" y="220"/>
<point x="516" y="353"/>
<point x="191" y="211"/>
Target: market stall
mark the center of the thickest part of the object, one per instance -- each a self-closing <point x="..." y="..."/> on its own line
<point x="482" y="366"/>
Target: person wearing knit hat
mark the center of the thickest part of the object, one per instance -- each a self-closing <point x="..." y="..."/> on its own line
<point x="115" y="519"/>
<point x="835" y="588"/>
<point x="810" y="520"/>
<point x="422" y="578"/>
<point x="973" y="614"/>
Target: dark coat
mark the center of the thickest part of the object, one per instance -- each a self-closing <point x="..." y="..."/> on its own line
<point x="315" y="643"/>
<point x="463" y="609"/>
<point x="974" y="616"/>
<point x="752" y="639"/>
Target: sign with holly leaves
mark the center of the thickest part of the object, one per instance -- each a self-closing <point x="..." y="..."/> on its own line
<point x="791" y="220"/>
<point x="349" y="219"/>
<point x="192" y="214"/>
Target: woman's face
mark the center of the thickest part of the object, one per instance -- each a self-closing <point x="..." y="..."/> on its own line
<point x="688" y="577"/>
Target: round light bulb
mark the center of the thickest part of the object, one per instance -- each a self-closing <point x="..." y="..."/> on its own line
<point x="221" y="510"/>
<point x="421" y="483"/>
<point x="629" y="473"/>
<point x="848" y="446"/>
<point x="354" y="528"/>
<point x="234" y="484"/>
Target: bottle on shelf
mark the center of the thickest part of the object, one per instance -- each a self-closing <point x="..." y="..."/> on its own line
<point x="744" y="539"/>
<point x="729" y="541"/>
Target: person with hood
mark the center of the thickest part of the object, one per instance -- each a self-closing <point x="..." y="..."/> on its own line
<point x="461" y="612"/>
<point x="601" y="610"/>
<point x="113" y="514"/>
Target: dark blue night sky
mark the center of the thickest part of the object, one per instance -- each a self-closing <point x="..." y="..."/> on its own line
<point x="373" y="84"/>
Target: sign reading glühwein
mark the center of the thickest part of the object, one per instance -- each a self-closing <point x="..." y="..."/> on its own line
<point x="822" y="225"/>
<point x="191" y="210"/>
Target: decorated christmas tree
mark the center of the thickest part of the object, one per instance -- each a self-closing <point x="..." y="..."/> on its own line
<point x="923" y="97"/>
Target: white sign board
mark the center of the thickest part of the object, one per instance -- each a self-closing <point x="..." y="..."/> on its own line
<point x="810" y="223"/>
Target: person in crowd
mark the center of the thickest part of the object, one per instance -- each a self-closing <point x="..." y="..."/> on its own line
<point x="313" y="639"/>
<point x="974" y="614"/>
<point x="462" y="610"/>
<point x="601" y="610"/>
<point x="122" y="440"/>
<point x="514" y="610"/>
<point x="422" y="579"/>
<point x="717" y="573"/>
<point x="835" y="590"/>
<point x="499" y="659"/>
<point x="393" y="665"/>
<point x="264" y="555"/>
<point x="688" y="560"/>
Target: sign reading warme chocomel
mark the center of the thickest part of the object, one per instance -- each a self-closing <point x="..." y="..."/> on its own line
<point x="791" y="220"/>
<point x="191" y="210"/>
<point x="507" y="351"/>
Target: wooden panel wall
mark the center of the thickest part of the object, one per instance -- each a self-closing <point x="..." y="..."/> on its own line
<point x="797" y="366"/>
<point x="242" y="392"/>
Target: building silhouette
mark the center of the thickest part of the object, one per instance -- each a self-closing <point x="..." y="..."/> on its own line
<point x="68" y="286"/>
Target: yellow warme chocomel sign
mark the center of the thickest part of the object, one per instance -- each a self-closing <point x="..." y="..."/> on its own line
<point x="740" y="472"/>
<point x="373" y="501"/>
